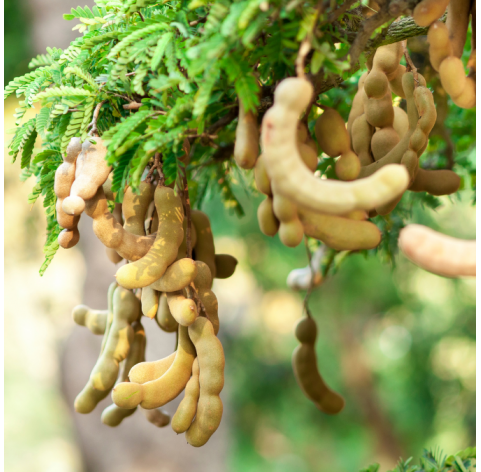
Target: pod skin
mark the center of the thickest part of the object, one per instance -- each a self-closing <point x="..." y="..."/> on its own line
<point x="304" y="364"/>
<point x="428" y="11"/>
<point x="164" y="317"/>
<point x="135" y="206"/>
<point x="331" y="133"/>
<point x="246" y="147"/>
<point x="210" y="355"/>
<point x="204" y="249"/>
<point x="438" y="253"/>
<point x="163" y="252"/>
<point x="177" y="276"/>
<point x="162" y="390"/>
<point x="436" y="182"/>
<point x="296" y="182"/>
<point x="146" y="371"/>
<point x="225" y="265"/>
<point x="94" y="320"/>
<point x="203" y="284"/>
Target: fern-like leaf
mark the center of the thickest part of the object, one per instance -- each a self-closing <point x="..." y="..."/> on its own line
<point x="62" y="91"/>
<point x="83" y="74"/>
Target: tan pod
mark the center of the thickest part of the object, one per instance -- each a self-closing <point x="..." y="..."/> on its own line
<point x="291" y="232"/>
<point x="204" y="249"/>
<point x="225" y="265"/>
<point x="157" y="417"/>
<point x="401" y="122"/>
<point x="135" y="206"/>
<point x="210" y="355"/>
<point x="263" y="183"/>
<point x="348" y="166"/>
<point x="177" y="276"/>
<point x="246" y="147"/>
<point x="183" y="309"/>
<point x="94" y="320"/>
<point x="457" y="23"/>
<point x="331" y="133"/>
<point x="304" y="364"/>
<point x="439" y="44"/>
<point x="126" y="310"/>
<point x="68" y="238"/>
<point x="268" y="223"/>
<point x="164" y="317"/>
<point x="163" y="252"/>
<point x="396" y="83"/>
<point x="428" y="11"/>
<point x="438" y="253"/>
<point x="185" y="413"/>
<point x="362" y="133"/>
<point x="383" y="141"/>
<point x="436" y="182"/>
<point x="379" y="113"/>
<point x="113" y="255"/>
<point x="203" y="284"/>
<point x="158" y="392"/>
<point x="150" y="302"/>
<point x="147" y="371"/>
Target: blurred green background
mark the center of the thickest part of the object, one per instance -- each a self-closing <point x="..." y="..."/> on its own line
<point x="398" y="343"/>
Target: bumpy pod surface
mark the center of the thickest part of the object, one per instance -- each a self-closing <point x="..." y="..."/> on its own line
<point x="225" y="265"/>
<point x="94" y="320"/>
<point x="163" y="252"/>
<point x="296" y="182"/>
<point x="379" y="112"/>
<point x="438" y="253"/>
<point x="204" y="249"/>
<point x="428" y="11"/>
<point x="304" y="363"/>
<point x="203" y="284"/>
<point x="187" y="408"/>
<point x="135" y="206"/>
<point x="387" y="58"/>
<point x="177" y="276"/>
<point x="126" y="310"/>
<point x="210" y="355"/>
<point x="331" y="133"/>
<point x="183" y="309"/>
<point x="164" y="317"/>
<point x="112" y="234"/>
<point x="246" y="147"/>
<point x="162" y="390"/>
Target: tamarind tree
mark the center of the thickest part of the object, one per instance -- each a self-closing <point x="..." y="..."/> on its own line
<point x="159" y="106"/>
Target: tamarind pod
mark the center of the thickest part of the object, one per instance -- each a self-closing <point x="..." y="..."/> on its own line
<point x="118" y="213"/>
<point x="428" y="11"/>
<point x="359" y="215"/>
<point x="437" y="253"/>
<point x="204" y="249"/>
<point x="348" y="166"/>
<point x="396" y="84"/>
<point x="64" y="178"/>
<point x="107" y="188"/>
<point x="401" y="122"/>
<point x="379" y="113"/>
<point x="163" y="252"/>
<point x="411" y="162"/>
<point x="146" y="371"/>
<point x="263" y="183"/>
<point x="210" y="355"/>
<point x="453" y="79"/>
<point x="308" y="156"/>
<point x="383" y="141"/>
<point x="338" y="232"/>
<point x="74" y="148"/>
<point x="155" y="222"/>
<point x="126" y="310"/>
<point x="313" y="145"/>
<point x="160" y="391"/>
<point x="284" y="209"/>
<point x="387" y="59"/>
<point x="63" y="219"/>
<point x="331" y="133"/>
<point x="73" y="205"/>
<point x="203" y="284"/>
<point x="268" y="223"/>
<point x="457" y="24"/>
<point x="362" y="79"/>
<point x="113" y="415"/>
<point x="388" y="207"/>
<point x="177" y="276"/>
<point x="357" y="109"/>
<point x="362" y="133"/>
<point x="426" y="109"/>
<point x="113" y="255"/>
<point x="183" y="309"/>
<point x="467" y="98"/>
<point x="291" y="233"/>
<point x="182" y="252"/>
<point x="225" y="265"/>
<point x="304" y="364"/>
<point x="376" y="85"/>
<point x="135" y="206"/>
<point x="94" y="320"/>
<point x="302" y="132"/>
<point x="472" y="62"/>
<point x="187" y="408"/>
<point x="150" y="302"/>
<point x="246" y="148"/>
<point x="68" y="238"/>
<point x="439" y="45"/>
<point x="164" y="317"/>
<point x="417" y="141"/>
<point x="294" y="181"/>
<point x="157" y="417"/>
<point x="436" y="182"/>
<point x="112" y="234"/>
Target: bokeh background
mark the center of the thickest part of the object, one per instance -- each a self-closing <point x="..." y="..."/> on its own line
<point x="397" y="342"/>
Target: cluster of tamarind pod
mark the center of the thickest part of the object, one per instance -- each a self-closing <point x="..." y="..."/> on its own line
<point x="168" y="277"/>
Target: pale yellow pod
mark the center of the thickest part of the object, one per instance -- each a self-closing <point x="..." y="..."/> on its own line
<point x="331" y="133"/>
<point x="210" y="355"/>
<point x="246" y="147"/>
<point x="164" y="317"/>
<point x="146" y="371"/>
<point x="439" y="44"/>
<point x="453" y="78"/>
<point x="68" y="238"/>
<point x="187" y="408"/>
<point x="126" y="310"/>
<point x="94" y="320"/>
<point x="204" y="249"/>
<point x="263" y="183"/>
<point x="308" y="156"/>
<point x="304" y="364"/>
<point x="284" y="209"/>
<point x="203" y="284"/>
<point x="158" y="392"/>
<point x="291" y="233"/>
<point x="163" y="252"/>
<point x="178" y="275"/>
<point x="428" y="11"/>
<point x="135" y="206"/>
<point x="268" y="223"/>
<point x="467" y="98"/>
<point x="150" y="302"/>
<point x="183" y="309"/>
<point x="225" y="265"/>
<point x="435" y="252"/>
<point x="296" y="182"/>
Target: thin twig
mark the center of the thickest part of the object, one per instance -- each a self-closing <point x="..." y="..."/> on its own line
<point x="196" y="22"/>
<point x="132" y="106"/>
<point x="141" y="16"/>
<point x="93" y="123"/>
<point x="411" y="66"/>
